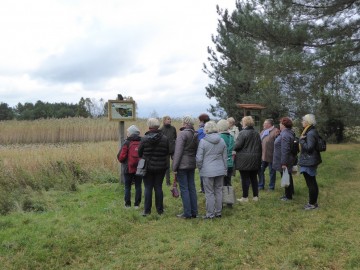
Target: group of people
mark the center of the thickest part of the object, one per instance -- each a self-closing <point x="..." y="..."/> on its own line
<point x="217" y="150"/>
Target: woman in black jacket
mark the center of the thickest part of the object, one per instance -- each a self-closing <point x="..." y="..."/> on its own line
<point x="154" y="147"/>
<point x="248" y="158"/>
<point x="310" y="158"/>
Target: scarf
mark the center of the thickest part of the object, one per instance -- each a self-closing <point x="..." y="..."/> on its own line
<point x="303" y="134"/>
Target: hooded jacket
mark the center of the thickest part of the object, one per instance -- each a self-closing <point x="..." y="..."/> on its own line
<point x="211" y="156"/>
<point x="154" y="147"/>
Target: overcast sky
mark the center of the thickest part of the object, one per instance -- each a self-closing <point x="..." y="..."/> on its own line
<point x="62" y="50"/>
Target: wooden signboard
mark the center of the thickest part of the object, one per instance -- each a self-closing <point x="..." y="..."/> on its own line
<point x="121" y="110"/>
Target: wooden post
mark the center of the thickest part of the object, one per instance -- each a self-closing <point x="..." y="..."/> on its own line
<point x="121" y="141"/>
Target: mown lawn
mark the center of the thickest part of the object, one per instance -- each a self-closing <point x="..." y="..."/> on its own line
<point x="90" y="229"/>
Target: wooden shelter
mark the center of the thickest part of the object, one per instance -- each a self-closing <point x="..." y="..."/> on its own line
<point x="253" y="110"/>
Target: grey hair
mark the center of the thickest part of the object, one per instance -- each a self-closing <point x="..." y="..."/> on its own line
<point x="310" y="119"/>
<point x="153" y="123"/>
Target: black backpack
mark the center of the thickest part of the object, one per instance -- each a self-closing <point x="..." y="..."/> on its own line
<point x="295" y="148"/>
<point x="321" y="144"/>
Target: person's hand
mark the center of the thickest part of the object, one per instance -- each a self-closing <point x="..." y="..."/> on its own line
<point x="283" y="167"/>
<point x="303" y="137"/>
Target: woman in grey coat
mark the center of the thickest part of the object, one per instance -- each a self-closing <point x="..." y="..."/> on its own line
<point x="248" y="157"/>
<point x="283" y="158"/>
<point x="211" y="159"/>
<point x="184" y="165"/>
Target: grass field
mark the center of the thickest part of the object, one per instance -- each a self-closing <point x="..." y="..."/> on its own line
<point x="87" y="227"/>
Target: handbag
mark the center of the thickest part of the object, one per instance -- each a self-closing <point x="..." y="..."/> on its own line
<point x="141" y="167"/>
<point x="228" y="194"/>
<point x="285" y="179"/>
<point x="174" y="190"/>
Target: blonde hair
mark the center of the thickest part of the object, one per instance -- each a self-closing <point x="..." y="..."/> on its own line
<point x="247" y="121"/>
<point x="222" y="125"/>
<point x="210" y="127"/>
<point x="310" y="119"/>
<point x="231" y="120"/>
<point x="166" y="117"/>
<point x="153" y="123"/>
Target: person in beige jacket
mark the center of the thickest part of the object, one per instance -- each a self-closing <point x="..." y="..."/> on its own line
<point x="268" y="135"/>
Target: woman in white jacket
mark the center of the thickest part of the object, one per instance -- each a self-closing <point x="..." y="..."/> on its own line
<point x="211" y="159"/>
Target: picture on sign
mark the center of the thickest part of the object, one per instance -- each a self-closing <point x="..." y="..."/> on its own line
<point x="121" y="110"/>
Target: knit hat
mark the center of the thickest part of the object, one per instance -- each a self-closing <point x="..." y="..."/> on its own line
<point x="133" y="130"/>
<point x="222" y="125"/>
<point x="188" y="120"/>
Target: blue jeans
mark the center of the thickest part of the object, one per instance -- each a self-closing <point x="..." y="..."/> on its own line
<point x="186" y="180"/>
<point x="129" y="178"/>
<point x="272" y="174"/>
<point x="154" y="180"/>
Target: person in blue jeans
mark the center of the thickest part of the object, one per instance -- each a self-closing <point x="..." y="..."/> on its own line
<point x="268" y="136"/>
<point x="184" y="165"/>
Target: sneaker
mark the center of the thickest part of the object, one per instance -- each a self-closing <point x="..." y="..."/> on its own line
<point x="243" y="199"/>
<point x="127" y="206"/>
<point x="145" y="214"/>
<point x="218" y="216"/>
<point x="136" y="207"/>
<point x="182" y="216"/>
<point x="208" y="217"/>
<point x="285" y="199"/>
<point x="256" y="198"/>
<point x="311" y="206"/>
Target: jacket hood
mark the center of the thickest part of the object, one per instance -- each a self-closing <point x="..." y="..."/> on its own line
<point x="153" y="136"/>
<point x="134" y="137"/>
<point x="213" y="138"/>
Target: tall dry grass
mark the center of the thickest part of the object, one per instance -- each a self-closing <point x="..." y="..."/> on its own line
<point x="65" y="130"/>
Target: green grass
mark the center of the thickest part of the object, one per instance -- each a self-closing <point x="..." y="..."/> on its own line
<point x="90" y="229"/>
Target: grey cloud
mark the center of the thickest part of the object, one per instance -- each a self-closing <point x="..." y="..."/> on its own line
<point x="103" y="55"/>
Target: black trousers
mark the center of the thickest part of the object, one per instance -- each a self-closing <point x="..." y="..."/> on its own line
<point x="313" y="188"/>
<point x="247" y="178"/>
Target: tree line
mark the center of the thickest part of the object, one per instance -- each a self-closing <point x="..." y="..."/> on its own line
<point x="293" y="56"/>
<point x="86" y="107"/>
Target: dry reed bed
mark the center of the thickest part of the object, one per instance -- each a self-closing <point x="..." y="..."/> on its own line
<point x="65" y="130"/>
<point x="31" y="157"/>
